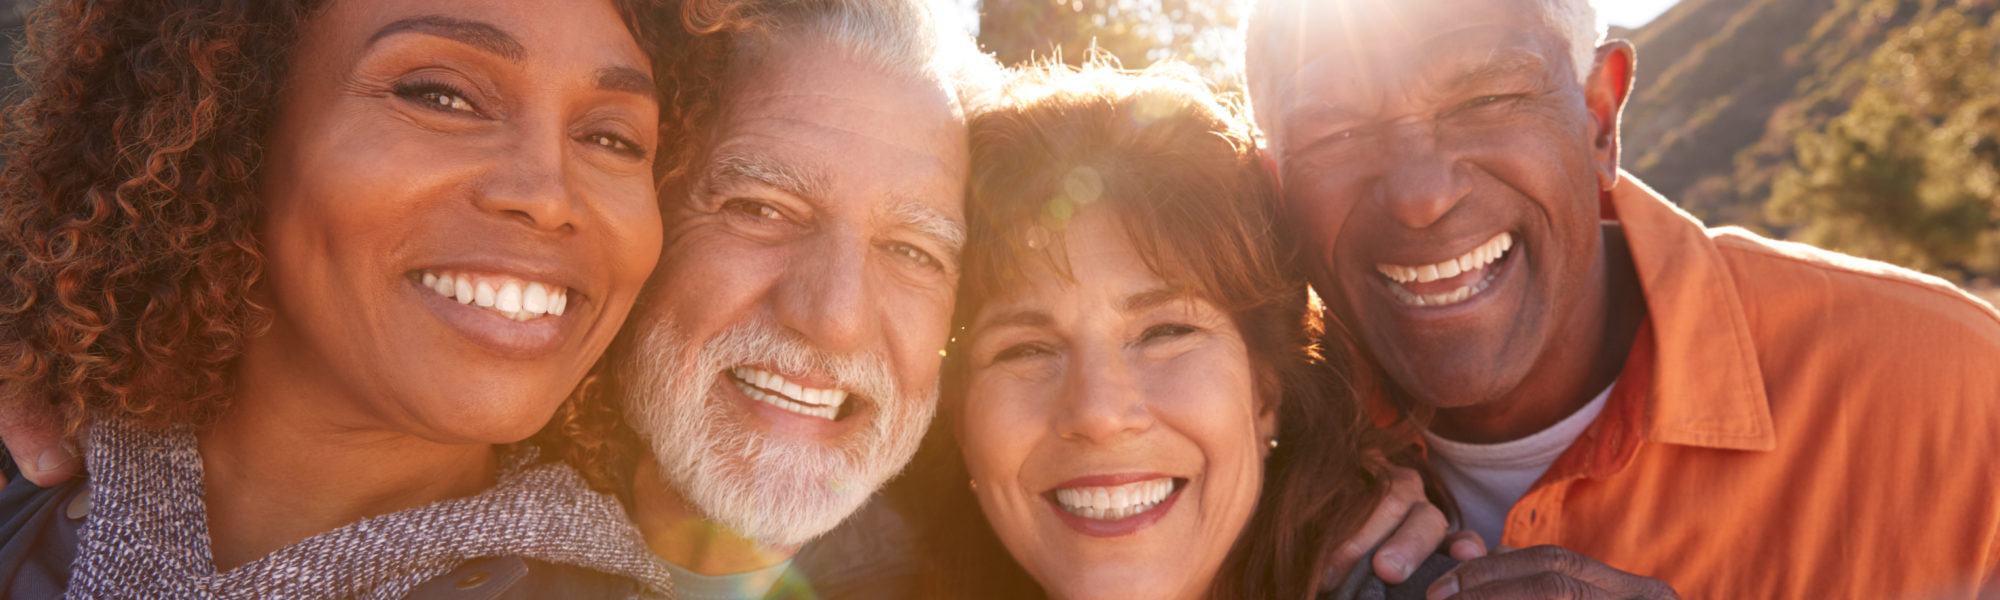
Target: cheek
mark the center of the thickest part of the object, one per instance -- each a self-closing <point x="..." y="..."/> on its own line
<point x="334" y="219"/>
<point x="1209" y="398"/>
<point x="634" y="236"/>
<point x="919" y="327"/>
<point x="1320" y="199"/>
<point x="1000" y="419"/>
<point x="708" y="280"/>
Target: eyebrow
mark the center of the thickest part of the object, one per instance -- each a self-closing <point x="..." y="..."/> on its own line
<point x="626" y="79"/>
<point x="1029" y="318"/>
<point x="931" y="223"/>
<point x="1153" y="298"/>
<point x="757" y="168"/>
<point x="471" y="33"/>
<point x="1314" y="111"/>
<point x="1502" y="63"/>
<point x="1034" y="318"/>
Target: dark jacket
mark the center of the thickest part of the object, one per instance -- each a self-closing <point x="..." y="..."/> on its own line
<point x="1362" y="584"/>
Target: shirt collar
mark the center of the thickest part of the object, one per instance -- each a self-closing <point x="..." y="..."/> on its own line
<point x="1705" y="387"/>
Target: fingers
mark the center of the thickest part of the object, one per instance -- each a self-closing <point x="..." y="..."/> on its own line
<point x="1520" y="564"/>
<point x="1422" y="531"/>
<point x="1405" y="496"/>
<point x="1539" y="586"/>
<point x="1543" y="572"/>
<point x="1465" y="545"/>
<point x="33" y="433"/>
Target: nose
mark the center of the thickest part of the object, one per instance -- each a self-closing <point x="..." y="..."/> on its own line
<point x="531" y="184"/>
<point x="1102" y="401"/>
<point x="1423" y="182"/>
<point x="824" y="294"/>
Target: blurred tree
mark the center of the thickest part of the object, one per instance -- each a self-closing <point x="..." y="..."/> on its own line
<point x="1203" y="33"/>
<point x="1910" y="172"/>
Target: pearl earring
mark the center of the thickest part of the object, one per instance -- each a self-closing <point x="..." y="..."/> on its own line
<point x="1274" y="443"/>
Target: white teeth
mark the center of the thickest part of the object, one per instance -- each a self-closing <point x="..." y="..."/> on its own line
<point x="1448" y="269"/>
<point x="1116" y="502"/>
<point x="773" y="389"/>
<point x="491" y="292"/>
<point x="1474" y="261"/>
<point x="535" y="299"/>
<point x="1463" y="293"/>
<point x="509" y="300"/>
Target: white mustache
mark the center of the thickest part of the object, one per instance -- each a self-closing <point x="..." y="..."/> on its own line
<point x="865" y="375"/>
<point x="778" y="491"/>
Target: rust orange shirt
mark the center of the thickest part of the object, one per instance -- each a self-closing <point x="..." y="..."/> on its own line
<point x="1791" y="423"/>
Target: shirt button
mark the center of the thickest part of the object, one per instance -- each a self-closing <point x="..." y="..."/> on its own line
<point x="79" y="506"/>
<point x="472" y="581"/>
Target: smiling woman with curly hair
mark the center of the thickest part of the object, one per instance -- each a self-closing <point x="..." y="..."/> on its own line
<point x="301" y="272"/>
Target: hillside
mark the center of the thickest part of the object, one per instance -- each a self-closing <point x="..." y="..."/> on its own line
<point x="1726" y="85"/>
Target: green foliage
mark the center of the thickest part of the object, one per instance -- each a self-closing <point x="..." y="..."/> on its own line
<point x="1726" y="87"/>
<point x="1910" y="172"/>
<point x="1203" y="33"/>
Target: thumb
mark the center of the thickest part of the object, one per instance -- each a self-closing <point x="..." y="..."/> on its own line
<point x="33" y="433"/>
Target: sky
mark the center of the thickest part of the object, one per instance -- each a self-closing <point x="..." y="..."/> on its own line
<point x="1631" y="13"/>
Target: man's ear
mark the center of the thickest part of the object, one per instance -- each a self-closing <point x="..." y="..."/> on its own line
<point x="1605" y="94"/>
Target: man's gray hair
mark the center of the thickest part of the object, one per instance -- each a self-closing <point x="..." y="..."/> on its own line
<point x="1274" y="35"/>
<point x="1577" y="21"/>
<point x="902" y="37"/>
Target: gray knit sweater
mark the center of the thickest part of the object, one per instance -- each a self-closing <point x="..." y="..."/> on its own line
<point x="147" y="533"/>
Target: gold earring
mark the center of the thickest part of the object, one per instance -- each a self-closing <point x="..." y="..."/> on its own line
<point x="973" y="483"/>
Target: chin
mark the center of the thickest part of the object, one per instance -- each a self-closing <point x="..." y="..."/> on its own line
<point x="1120" y="584"/>
<point x="491" y="420"/>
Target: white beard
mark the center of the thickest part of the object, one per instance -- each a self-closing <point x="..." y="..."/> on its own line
<point x="777" y="492"/>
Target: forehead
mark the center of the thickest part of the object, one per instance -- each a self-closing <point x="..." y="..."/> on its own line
<point x="1360" y="47"/>
<point x="808" y="104"/>
<point x="592" y="31"/>
<point x="1100" y="264"/>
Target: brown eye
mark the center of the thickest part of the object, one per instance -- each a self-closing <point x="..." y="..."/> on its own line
<point x="915" y="255"/>
<point x="436" y="96"/>
<point x="1021" y="351"/>
<point x="755" y="209"/>
<point x="1167" y="331"/>
<point x="616" y="144"/>
<point x="1485" y="101"/>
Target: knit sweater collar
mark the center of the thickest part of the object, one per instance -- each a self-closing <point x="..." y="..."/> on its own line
<point x="147" y="534"/>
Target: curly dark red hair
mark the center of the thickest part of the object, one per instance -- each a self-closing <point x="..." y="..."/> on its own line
<point x="128" y="204"/>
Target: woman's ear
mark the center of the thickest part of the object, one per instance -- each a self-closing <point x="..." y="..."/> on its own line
<point x="1268" y="394"/>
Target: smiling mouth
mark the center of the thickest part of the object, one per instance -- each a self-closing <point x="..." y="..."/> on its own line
<point x="1451" y="282"/>
<point x="510" y="297"/>
<point x="1118" y="502"/>
<point x="774" y="389"/>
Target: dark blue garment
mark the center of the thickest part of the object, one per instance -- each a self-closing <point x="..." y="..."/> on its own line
<point x="38" y="536"/>
<point x="1362" y="584"/>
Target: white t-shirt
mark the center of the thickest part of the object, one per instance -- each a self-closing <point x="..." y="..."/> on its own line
<point x="754" y="585"/>
<point x="1487" y="479"/>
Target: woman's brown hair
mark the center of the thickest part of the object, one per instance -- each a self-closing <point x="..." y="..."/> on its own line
<point x="128" y="204"/>
<point x="1178" y="163"/>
